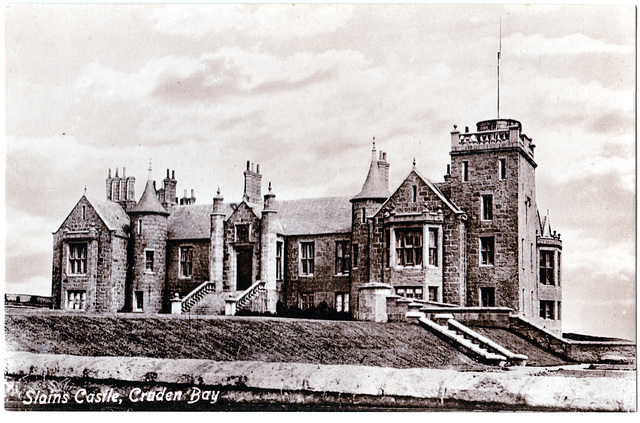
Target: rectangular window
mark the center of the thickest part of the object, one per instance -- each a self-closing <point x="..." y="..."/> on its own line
<point x="433" y="293"/>
<point x="410" y="292"/>
<point x="547" y="310"/>
<point x="78" y="259"/>
<point x="486" y="251"/>
<point x="465" y="171"/>
<point x="186" y="262"/>
<point x="148" y="260"/>
<point x="84" y="212"/>
<point x="364" y="215"/>
<point x="138" y="301"/>
<point x="307" y="258"/>
<point x="242" y="233"/>
<point x="139" y="226"/>
<point x="559" y="274"/>
<point x="487" y="207"/>
<point x="306" y="300"/>
<point x="559" y="316"/>
<point x="547" y="270"/>
<point x="76" y="300"/>
<point x="342" y="302"/>
<point x="487" y="297"/>
<point x="502" y="169"/>
<point x="342" y="258"/>
<point x="414" y="193"/>
<point x="409" y="247"/>
<point x="279" y="246"/>
<point x="355" y="255"/>
<point x="433" y="247"/>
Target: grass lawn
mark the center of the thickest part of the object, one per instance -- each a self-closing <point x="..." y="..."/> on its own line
<point x="226" y="339"/>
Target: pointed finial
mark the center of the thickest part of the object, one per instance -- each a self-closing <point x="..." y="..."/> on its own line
<point x="149" y="164"/>
<point x="374" y="142"/>
<point x="85" y="190"/>
<point x="269" y="186"/>
<point x="218" y="189"/>
<point x="414" y="162"/>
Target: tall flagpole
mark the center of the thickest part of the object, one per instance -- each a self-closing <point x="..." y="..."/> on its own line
<point x="499" y="50"/>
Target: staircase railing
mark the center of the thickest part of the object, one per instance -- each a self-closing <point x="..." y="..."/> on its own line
<point x="245" y="299"/>
<point x="196" y="295"/>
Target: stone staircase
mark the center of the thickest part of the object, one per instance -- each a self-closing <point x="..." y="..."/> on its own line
<point x="195" y="296"/>
<point x="253" y="298"/>
<point x="468" y="341"/>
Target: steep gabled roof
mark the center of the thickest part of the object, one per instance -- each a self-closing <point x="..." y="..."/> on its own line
<point x="314" y="215"/>
<point x="545" y="226"/>
<point x="113" y="215"/>
<point x="454" y="208"/>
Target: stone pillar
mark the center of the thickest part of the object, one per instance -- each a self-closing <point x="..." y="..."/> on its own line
<point x="176" y="304"/>
<point x="372" y="302"/>
<point x="216" y="247"/>
<point x="268" y="241"/>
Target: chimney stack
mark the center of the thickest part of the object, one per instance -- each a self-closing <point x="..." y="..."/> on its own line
<point x="252" y="185"/>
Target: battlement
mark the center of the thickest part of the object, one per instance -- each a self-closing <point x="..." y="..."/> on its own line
<point x="492" y="134"/>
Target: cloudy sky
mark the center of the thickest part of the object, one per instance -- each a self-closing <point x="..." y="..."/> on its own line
<point x="302" y="89"/>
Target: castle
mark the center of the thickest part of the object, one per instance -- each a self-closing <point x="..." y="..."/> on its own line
<point x="476" y="239"/>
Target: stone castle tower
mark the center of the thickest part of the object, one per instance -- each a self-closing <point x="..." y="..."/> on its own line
<point x="492" y="177"/>
<point x="148" y="252"/>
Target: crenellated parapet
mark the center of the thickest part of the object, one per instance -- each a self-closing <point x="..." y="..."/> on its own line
<point x="492" y="134"/>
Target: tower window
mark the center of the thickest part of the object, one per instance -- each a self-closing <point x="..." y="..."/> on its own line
<point x="364" y="215"/>
<point x="487" y="297"/>
<point x="138" y="301"/>
<point x="409" y="247"/>
<point x="547" y="271"/>
<point x="139" y="226"/>
<point x="487" y="250"/>
<point x="465" y="171"/>
<point x="502" y="169"/>
<point x="279" y="246"/>
<point x="77" y="259"/>
<point x="307" y="258"/>
<point x="487" y="207"/>
<point x="355" y="255"/>
<point x="186" y="262"/>
<point x="148" y="261"/>
<point x="547" y="310"/>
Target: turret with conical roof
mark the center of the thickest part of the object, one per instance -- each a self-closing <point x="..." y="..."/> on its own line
<point x="375" y="191"/>
<point x="149" y="225"/>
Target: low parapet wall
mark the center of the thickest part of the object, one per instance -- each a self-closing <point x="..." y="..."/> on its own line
<point x="580" y="351"/>
<point x="63" y="382"/>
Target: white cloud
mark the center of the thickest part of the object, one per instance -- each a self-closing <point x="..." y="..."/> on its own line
<point x="275" y="21"/>
<point x="539" y="45"/>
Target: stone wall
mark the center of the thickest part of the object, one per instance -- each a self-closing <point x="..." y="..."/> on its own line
<point x="200" y="266"/>
<point x="324" y="283"/>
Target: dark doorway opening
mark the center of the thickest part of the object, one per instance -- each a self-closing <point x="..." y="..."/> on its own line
<point x="244" y="271"/>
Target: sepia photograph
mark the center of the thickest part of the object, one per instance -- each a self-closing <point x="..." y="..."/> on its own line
<point x="320" y="208"/>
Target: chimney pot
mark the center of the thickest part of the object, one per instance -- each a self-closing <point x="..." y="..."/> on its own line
<point x="116" y="172"/>
<point x="448" y="169"/>
<point x="167" y="173"/>
<point x="109" y="173"/>
<point x="124" y="172"/>
<point x="191" y="192"/>
<point x="252" y="167"/>
<point x="247" y="164"/>
<point x="257" y="168"/>
<point x="185" y="193"/>
<point x="384" y="156"/>
<point x="173" y="174"/>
